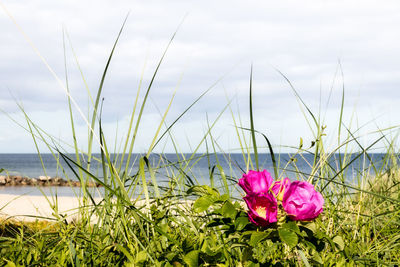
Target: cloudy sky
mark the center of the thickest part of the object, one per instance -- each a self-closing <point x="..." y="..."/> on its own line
<point x="218" y="41"/>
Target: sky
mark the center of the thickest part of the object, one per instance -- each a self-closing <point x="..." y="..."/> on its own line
<point x="320" y="46"/>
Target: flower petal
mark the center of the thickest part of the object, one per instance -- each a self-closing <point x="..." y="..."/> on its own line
<point x="301" y="202"/>
<point x="263" y="208"/>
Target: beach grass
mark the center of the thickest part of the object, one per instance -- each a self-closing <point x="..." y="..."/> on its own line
<point x="186" y="222"/>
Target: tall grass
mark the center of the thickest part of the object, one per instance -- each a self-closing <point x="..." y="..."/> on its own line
<point x="139" y="221"/>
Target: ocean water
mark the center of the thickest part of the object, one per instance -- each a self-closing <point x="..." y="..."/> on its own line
<point x="199" y="168"/>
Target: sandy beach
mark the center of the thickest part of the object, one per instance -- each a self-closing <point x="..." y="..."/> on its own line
<point x="31" y="208"/>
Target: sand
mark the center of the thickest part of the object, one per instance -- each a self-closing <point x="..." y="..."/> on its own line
<point x="31" y="208"/>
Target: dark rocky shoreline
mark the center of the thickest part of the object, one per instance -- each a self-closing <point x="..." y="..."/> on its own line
<point x="15" y="180"/>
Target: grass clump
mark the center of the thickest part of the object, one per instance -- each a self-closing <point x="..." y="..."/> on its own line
<point x="185" y="222"/>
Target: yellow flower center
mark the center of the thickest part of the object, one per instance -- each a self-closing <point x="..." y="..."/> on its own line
<point x="261" y="211"/>
<point x="279" y="197"/>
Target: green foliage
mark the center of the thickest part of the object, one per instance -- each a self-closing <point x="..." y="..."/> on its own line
<point x="288" y="237"/>
<point x="247" y="244"/>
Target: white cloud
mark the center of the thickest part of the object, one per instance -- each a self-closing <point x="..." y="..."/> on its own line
<point x="303" y="39"/>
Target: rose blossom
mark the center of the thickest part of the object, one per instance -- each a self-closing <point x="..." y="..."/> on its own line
<point x="263" y="208"/>
<point x="301" y="202"/>
<point x="280" y="187"/>
<point x="256" y="181"/>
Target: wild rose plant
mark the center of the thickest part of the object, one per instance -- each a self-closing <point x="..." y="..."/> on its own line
<point x="256" y="182"/>
<point x="263" y="208"/>
<point x="264" y="197"/>
<point x="301" y="202"/>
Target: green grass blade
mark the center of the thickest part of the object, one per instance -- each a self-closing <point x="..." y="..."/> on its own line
<point x="252" y="121"/>
<point x="153" y="177"/>
<point x="71" y="117"/>
<point x="99" y="91"/>
<point x="145" y="99"/>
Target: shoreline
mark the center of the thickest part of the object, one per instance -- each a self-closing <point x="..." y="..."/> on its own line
<point x="28" y="208"/>
<point x="32" y="208"/>
<point x="43" y="181"/>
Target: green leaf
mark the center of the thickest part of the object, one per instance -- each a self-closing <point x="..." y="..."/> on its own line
<point x="203" y="203"/>
<point x="29" y="257"/>
<point x="224" y="197"/>
<point x="257" y="237"/>
<point x="197" y="190"/>
<point x="317" y="258"/>
<point x="303" y="258"/>
<point x="209" y="247"/>
<point x="127" y="254"/>
<point x="141" y="256"/>
<point x="240" y="223"/>
<point x="310" y="226"/>
<point x="291" y="226"/>
<point x="309" y="244"/>
<point x="202" y="190"/>
<point x="228" y="210"/>
<point x="192" y="258"/>
<point x="9" y="263"/>
<point x="338" y="240"/>
<point x="171" y="255"/>
<point x="288" y="237"/>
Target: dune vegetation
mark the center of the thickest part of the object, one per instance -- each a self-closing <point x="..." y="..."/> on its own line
<point x="186" y="222"/>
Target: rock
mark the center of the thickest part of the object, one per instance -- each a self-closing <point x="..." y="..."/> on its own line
<point x="2" y="180"/>
<point x="56" y="181"/>
<point x="44" y="178"/>
<point x="41" y="181"/>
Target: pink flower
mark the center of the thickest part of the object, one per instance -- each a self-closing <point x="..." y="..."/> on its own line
<point x="256" y="182"/>
<point x="280" y="187"/>
<point x="301" y="202"/>
<point x="263" y="208"/>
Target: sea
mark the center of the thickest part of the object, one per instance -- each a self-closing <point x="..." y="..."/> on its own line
<point x="198" y="169"/>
